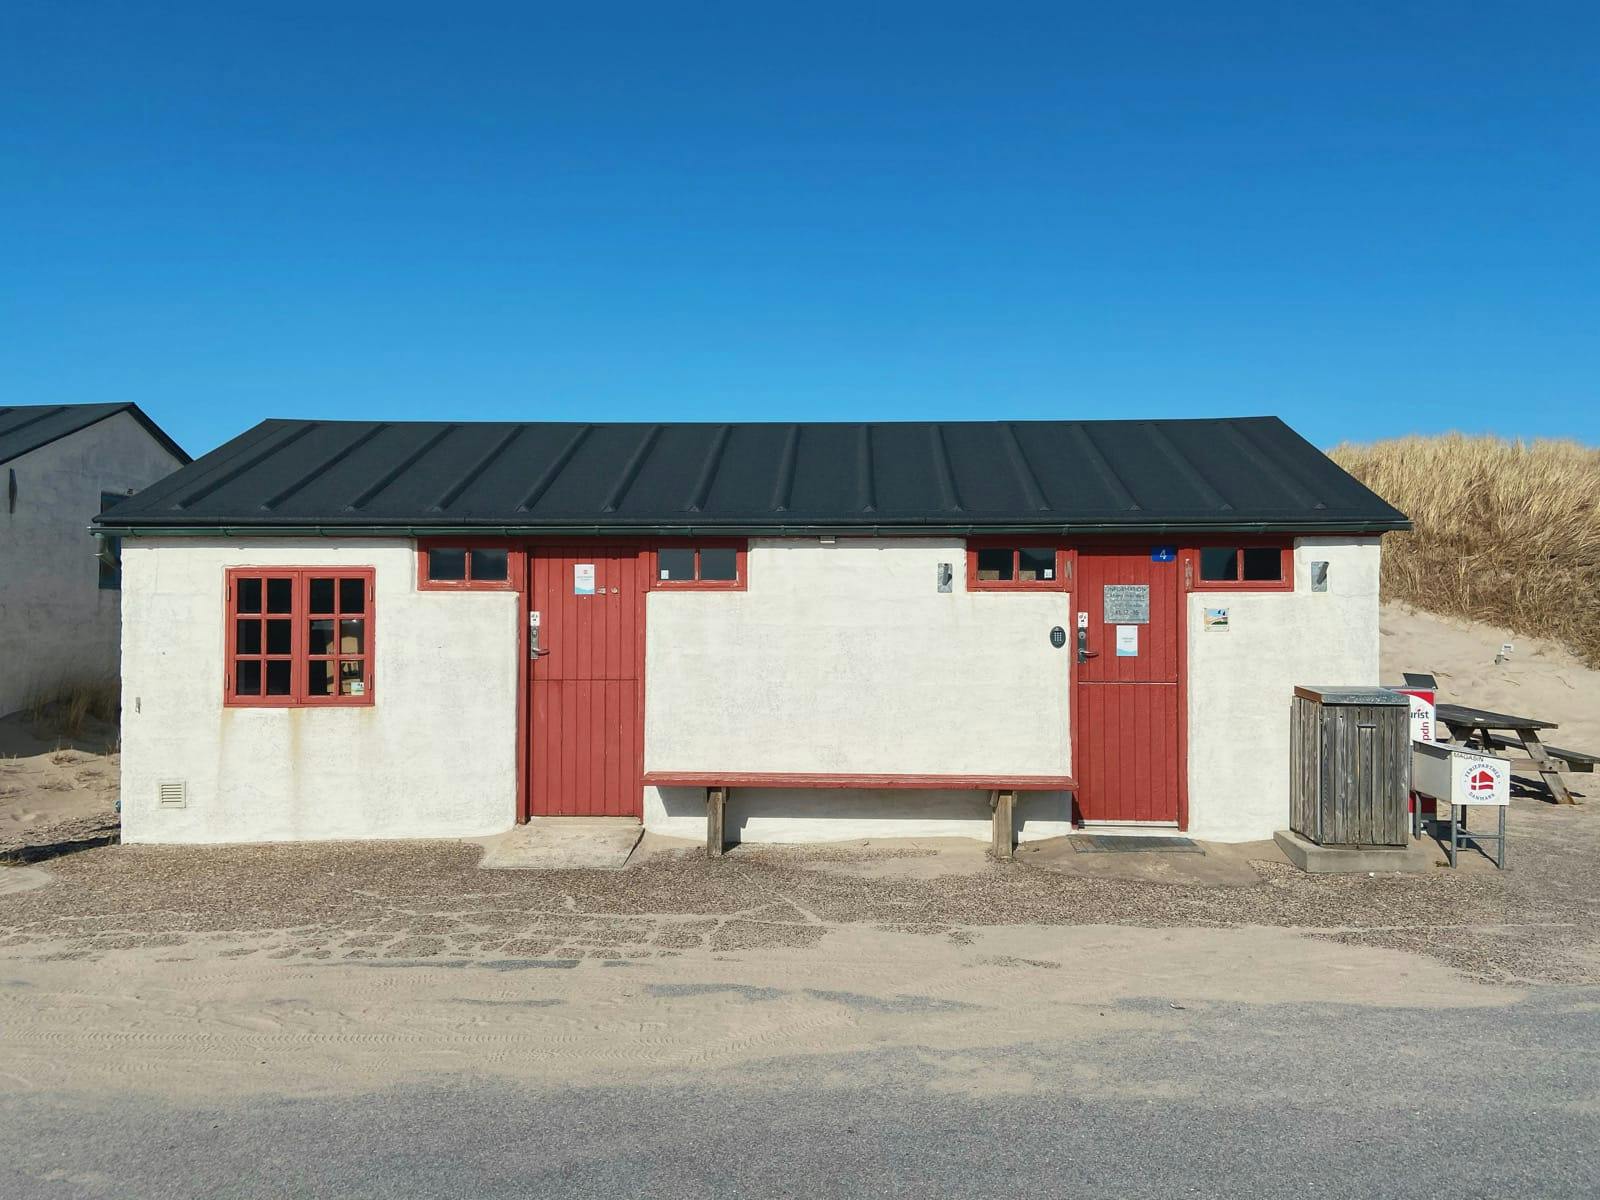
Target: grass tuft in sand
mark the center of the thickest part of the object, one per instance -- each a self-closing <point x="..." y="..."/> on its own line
<point x="1507" y="533"/>
<point x="68" y="707"/>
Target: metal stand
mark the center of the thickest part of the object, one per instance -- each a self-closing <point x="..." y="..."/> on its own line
<point x="1461" y="836"/>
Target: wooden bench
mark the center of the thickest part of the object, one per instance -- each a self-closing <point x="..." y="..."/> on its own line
<point x="1574" y="761"/>
<point x="1002" y="791"/>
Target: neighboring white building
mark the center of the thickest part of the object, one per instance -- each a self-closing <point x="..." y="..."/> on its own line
<point x="60" y="599"/>
<point x="362" y="630"/>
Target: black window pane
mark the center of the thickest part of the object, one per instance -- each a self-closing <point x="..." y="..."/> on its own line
<point x="319" y="677"/>
<point x="278" y="678"/>
<point x="720" y="563"/>
<point x="995" y="563"/>
<point x="489" y="566"/>
<point x="280" y="595"/>
<point x="248" y="638"/>
<point x="322" y="595"/>
<point x="1263" y="564"/>
<point x="447" y="566"/>
<point x="278" y="637"/>
<point x="675" y="562"/>
<point x="1219" y="565"/>
<point x="248" y="594"/>
<point x="353" y="596"/>
<point x="247" y="677"/>
<point x="321" y="639"/>
<point x="1036" y="564"/>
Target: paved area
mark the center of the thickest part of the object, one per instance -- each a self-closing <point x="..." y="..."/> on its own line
<point x="1164" y="1095"/>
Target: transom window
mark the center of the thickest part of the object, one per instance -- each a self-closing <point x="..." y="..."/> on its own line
<point x="1245" y="567"/>
<point x="1001" y="565"/>
<point x="711" y="565"/>
<point x="445" y="565"/>
<point x="299" y="636"/>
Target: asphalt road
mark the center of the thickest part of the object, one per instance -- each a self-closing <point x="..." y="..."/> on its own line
<point x="1238" y="1100"/>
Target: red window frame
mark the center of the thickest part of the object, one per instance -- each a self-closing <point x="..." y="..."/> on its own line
<point x="299" y="656"/>
<point x="1061" y="583"/>
<point x="1285" y="548"/>
<point x="514" y="560"/>
<point x="740" y="546"/>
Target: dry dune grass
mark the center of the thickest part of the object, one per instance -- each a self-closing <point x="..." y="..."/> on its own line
<point x="1507" y="533"/>
<point x="67" y="707"/>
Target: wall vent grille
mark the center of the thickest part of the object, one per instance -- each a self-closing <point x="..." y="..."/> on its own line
<point x="173" y="793"/>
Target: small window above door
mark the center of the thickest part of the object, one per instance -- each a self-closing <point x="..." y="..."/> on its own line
<point x="1258" y="567"/>
<point x="1015" y="565"/>
<point x="450" y="565"/>
<point x="699" y="565"/>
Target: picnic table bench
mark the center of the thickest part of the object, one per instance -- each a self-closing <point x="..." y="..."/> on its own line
<point x="1489" y="728"/>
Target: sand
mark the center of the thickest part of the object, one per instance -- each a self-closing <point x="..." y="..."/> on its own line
<point x="50" y="782"/>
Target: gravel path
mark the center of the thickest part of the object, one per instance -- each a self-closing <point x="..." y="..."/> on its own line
<point x="1537" y="922"/>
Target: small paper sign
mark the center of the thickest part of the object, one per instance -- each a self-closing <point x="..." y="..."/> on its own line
<point x="1216" y="620"/>
<point x="1127" y="641"/>
<point x="583" y="579"/>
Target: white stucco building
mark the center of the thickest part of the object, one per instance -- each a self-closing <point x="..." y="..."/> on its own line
<point x="808" y="632"/>
<point x="60" y="601"/>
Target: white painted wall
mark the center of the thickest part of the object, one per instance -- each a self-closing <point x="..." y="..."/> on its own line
<point x="846" y="659"/>
<point x="1241" y="682"/>
<point x="56" y="624"/>
<point x="433" y="756"/>
<point x="838" y="659"/>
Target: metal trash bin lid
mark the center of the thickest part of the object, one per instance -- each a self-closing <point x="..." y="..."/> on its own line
<point x="1351" y="695"/>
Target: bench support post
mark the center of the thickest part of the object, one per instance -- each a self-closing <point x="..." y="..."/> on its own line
<point x="716" y="808"/>
<point x="1546" y="768"/>
<point x="1002" y="846"/>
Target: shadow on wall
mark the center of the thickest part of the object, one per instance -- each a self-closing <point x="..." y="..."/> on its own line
<point x="796" y="815"/>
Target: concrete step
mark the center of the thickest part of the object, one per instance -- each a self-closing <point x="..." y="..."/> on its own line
<point x="562" y="844"/>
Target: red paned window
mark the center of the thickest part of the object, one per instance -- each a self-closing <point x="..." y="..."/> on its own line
<point x="712" y="566"/>
<point x="450" y="565"/>
<point x="996" y="566"/>
<point x="1257" y="567"/>
<point x="299" y="636"/>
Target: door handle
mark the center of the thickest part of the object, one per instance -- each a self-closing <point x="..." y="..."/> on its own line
<point x="1084" y="653"/>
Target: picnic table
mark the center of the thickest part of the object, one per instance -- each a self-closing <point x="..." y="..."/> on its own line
<point x="1489" y="727"/>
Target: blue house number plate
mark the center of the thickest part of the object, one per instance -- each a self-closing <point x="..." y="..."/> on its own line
<point x="1163" y="553"/>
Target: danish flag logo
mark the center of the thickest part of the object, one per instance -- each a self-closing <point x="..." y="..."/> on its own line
<point x="1481" y="783"/>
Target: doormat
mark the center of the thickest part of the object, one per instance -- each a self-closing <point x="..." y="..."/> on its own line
<point x="1127" y="843"/>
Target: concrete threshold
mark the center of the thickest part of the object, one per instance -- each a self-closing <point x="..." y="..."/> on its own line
<point x="1335" y="860"/>
<point x="562" y="844"/>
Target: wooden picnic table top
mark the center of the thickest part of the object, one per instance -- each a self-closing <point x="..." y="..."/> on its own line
<point x="1482" y="718"/>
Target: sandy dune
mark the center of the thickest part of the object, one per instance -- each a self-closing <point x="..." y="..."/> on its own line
<point x="49" y="781"/>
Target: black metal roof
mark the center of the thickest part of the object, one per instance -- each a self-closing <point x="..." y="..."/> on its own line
<point x="30" y="426"/>
<point x="420" y="477"/>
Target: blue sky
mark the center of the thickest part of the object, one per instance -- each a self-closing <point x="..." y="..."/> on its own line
<point x="1369" y="219"/>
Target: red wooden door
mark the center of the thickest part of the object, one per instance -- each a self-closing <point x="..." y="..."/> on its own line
<point x="1128" y="753"/>
<point x="585" y="741"/>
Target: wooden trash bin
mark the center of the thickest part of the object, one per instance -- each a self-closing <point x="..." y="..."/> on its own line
<point x="1350" y="766"/>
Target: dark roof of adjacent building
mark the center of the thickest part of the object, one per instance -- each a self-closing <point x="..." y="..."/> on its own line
<point x="430" y="477"/>
<point x="30" y="426"/>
